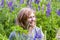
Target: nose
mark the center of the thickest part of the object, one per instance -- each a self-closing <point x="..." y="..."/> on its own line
<point x="32" y="19"/>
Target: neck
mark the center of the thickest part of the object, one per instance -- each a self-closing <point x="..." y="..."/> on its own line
<point x="30" y="29"/>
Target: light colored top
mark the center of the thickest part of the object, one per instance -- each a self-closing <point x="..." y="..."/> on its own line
<point x="36" y="34"/>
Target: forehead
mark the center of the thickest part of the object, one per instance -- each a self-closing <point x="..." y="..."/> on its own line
<point x="29" y="13"/>
<point x="32" y="14"/>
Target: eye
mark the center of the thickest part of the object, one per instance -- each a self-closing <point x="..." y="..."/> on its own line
<point x="30" y="17"/>
<point x="33" y="16"/>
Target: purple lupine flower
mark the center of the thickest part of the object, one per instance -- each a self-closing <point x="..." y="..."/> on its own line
<point x="38" y="8"/>
<point x="12" y="8"/>
<point x="58" y="12"/>
<point x="48" y="9"/>
<point x="21" y="1"/>
<point x="10" y="4"/>
<point x="48" y="5"/>
<point x="48" y="12"/>
<point x="2" y="3"/>
<point x="37" y="1"/>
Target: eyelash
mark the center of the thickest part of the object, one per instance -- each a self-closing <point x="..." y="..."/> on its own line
<point x="33" y="16"/>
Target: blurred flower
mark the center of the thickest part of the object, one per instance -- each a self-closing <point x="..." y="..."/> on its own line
<point x="37" y="1"/>
<point x="21" y="1"/>
<point x="48" y="12"/>
<point x="48" y="5"/>
<point x="11" y="9"/>
<point x="10" y="3"/>
<point x="2" y="3"/>
<point x="38" y="8"/>
<point x="58" y="12"/>
<point x="48" y="9"/>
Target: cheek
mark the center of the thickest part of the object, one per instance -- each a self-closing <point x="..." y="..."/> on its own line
<point x="29" y="19"/>
<point x="34" y="18"/>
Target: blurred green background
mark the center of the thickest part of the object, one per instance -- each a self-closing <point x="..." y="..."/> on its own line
<point x="48" y="22"/>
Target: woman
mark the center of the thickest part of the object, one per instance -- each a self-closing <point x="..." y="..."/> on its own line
<point x="27" y="20"/>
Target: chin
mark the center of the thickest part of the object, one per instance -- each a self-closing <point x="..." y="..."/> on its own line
<point x="32" y="25"/>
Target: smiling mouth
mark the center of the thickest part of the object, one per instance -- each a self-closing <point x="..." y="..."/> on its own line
<point x="32" y="23"/>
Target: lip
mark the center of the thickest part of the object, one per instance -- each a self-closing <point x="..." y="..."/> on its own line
<point x="31" y="22"/>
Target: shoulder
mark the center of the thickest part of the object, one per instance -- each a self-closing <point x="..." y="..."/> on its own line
<point x="39" y="31"/>
<point x="12" y="35"/>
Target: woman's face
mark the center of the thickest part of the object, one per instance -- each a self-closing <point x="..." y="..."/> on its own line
<point x="31" y="20"/>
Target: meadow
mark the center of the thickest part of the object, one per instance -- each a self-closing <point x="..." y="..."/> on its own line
<point x="47" y="14"/>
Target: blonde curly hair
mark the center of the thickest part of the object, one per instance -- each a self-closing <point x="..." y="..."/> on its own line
<point x="23" y="16"/>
